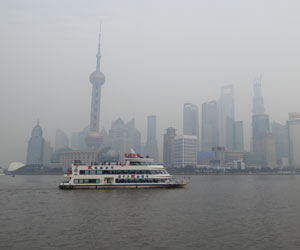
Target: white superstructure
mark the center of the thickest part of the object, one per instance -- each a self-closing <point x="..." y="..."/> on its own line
<point x="136" y="172"/>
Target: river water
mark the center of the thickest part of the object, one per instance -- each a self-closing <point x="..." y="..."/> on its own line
<point x="212" y="212"/>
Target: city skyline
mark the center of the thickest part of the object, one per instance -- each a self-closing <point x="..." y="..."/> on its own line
<point x="142" y="52"/>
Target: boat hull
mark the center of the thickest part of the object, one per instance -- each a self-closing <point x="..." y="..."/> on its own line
<point x="112" y="186"/>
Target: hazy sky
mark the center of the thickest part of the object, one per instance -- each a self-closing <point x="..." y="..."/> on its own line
<point x="156" y="55"/>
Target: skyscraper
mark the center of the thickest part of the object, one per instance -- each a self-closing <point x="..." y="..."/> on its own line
<point x="47" y="153"/>
<point x="134" y="137"/>
<point x="258" y="101"/>
<point x="61" y="140"/>
<point x="168" y="157"/>
<point x="280" y="133"/>
<point x="263" y="141"/>
<point x="260" y="125"/>
<point x="293" y="125"/>
<point x="151" y="147"/>
<point x="119" y="137"/>
<point x="124" y="136"/>
<point x="210" y="126"/>
<point x="260" y="121"/>
<point x="238" y="136"/>
<point x="265" y="147"/>
<point x="35" y="146"/>
<point x="191" y="121"/>
<point x="226" y="116"/>
<point x="97" y="79"/>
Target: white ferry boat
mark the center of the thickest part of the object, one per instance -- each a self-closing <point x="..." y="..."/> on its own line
<point x="136" y="172"/>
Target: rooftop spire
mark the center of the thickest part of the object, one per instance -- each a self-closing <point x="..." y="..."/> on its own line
<point x="98" y="56"/>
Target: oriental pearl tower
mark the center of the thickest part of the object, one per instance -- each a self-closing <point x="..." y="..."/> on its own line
<point x="93" y="139"/>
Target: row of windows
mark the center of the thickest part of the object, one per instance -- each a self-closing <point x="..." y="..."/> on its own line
<point x="122" y="172"/>
<point x="75" y="155"/>
<point x="142" y="163"/>
<point x="85" y="181"/>
<point x="140" y="180"/>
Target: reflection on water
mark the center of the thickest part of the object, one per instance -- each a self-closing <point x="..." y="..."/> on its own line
<point x="212" y="212"/>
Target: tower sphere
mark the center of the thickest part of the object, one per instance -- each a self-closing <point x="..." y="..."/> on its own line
<point x="97" y="77"/>
<point x="93" y="139"/>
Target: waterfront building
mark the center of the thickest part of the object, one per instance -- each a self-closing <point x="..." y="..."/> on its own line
<point x="168" y="151"/>
<point x="35" y="146"/>
<point x="280" y="133"/>
<point x="61" y="140"/>
<point x="218" y="158"/>
<point x="97" y="79"/>
<point x="185" y="150"/>
<point x="293" y="126"/>
<point x="67" y="158"/>
<point x="151" y="147"/>
<point x="210" y="126"/>
<point x="253" y="160"/>
<point x="191" y="121"/>
<point x="226" y="116"/>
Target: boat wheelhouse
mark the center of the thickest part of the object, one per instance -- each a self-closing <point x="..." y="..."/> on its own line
<point x="136" y="172"/>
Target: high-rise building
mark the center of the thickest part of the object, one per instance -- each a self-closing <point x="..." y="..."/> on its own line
<point x="293" y="125"/>
<point x="47" y="153"/>
<point x="124" y="137"/>
<point x="105" y="138"/>
<point x="134" y="137"/>
<point x="78" y="139"/>
<point x="168" y="157"/>
<point x="265" y="147"/>
<point x="235" y="135"/>
<point x="280" y="134"/>
<point x="185" y="151"/>
<point x="151" y="147"/>
<point x="258" y="101"/>
<point x="97" y="79"/>
<point x="226" y="116"/>
<point x="210" y="126"/>
<point x="238" y="136"/>
<point x="263" y="141"/>
<point x="35" y="146"/>
<point x="260" y="125"/>
<point x="119" y="137"/>
<point x="191" y="121"/>
<point x="61" y="140"/>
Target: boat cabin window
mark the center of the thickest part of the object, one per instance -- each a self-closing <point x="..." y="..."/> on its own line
<point x="134" y="180"/>
<point x="86" y="181"/>
<point x="122" y="172"/>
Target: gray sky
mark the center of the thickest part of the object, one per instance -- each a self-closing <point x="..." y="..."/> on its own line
<point x="156" y="55"/>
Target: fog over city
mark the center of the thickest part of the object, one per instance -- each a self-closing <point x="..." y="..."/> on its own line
<point x="156" y="55"/>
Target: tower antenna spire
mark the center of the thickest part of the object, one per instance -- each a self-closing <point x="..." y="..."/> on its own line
<point x="98" y="56"/>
